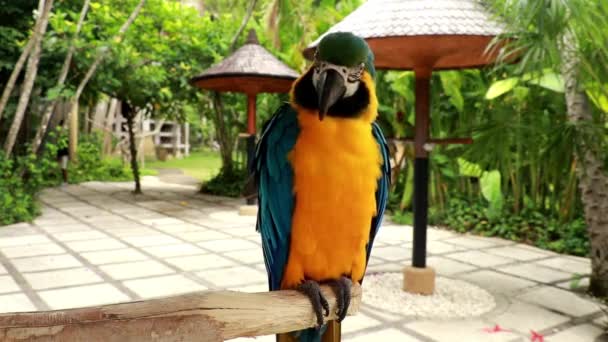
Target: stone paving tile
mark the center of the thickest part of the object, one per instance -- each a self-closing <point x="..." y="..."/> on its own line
<point x="447" y="267"/>
<point x="360" y="321"/>
<point x="584" y="332"/>
<point x="151" y="240"/>
<point x="561" y="301"/>
<point x="33" y="250"/>
<point x="437" y="233"/>
<point x="161" y="222"/>
<point x="129" y="232"/>
<point x="80" y="235"/>
<point x="249" y="256"/>
<point x="497" y="282"/>
<point x="458" y="330"/>
<point x="68" y="228"/>
<point x="200" y="262"/>
<point x="163" y="286"/>
<point x="114" y="256"/>
<point x="227" y="245"/>
<point x="18" y="229"/>
<point x="480" y="259"/>
<point x="260" y="287"/>
<point x="61" y="278"/>
<point x="536" y="272"/>
<point x="47" y="262"/>
<point x="243" y="232"/>
<point x="202" y="234"/>
<point x="16" y="302"/>
<point x="440" y="247"/>
<point x="226" y="277"/>
<point x="23" y="241"/>
<point x="174" y="250"/>
<point x="393" y="253"/>
<point x="515" y="252"/>
<point x="390" y="334"/>
<point x="470" y="241"/>
<point x="394" y="234"/>
<point x="81" y="296"/>
<point x="524" y="317"/>
<point x="567" y="265"/>
<point x="179" y="229"/>
<point x="7" y="284"/>
<point x="136" y="269"/>
<point x="95" y="245"/>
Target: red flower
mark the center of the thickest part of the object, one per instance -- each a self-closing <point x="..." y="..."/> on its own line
<point x="536" y="337"/>
<point x="496" y="329"/>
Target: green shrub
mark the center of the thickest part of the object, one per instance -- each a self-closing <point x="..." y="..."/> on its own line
<point x="227" y="183"/>
<point x="17" y="194"/>
<point x="529" y="226"/>
<point x="22" y="178"/>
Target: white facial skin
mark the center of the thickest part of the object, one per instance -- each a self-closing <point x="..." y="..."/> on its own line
<point x="351" y="76"/>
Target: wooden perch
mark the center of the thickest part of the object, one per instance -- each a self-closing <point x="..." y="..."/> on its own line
<point x="202" y="316"/>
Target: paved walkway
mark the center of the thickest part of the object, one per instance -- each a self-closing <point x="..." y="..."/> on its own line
<point x="96" y="244"/>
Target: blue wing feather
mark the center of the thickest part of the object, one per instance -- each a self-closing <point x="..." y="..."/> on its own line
<point x="383" y="187"/>
<point x="274" y="177"/>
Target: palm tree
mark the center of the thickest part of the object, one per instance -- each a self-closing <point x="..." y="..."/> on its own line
<point x="571" y="38"/>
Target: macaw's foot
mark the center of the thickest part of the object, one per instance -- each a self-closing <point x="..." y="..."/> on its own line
<point x="319" y="304"/>
<point x="342" y="288"/>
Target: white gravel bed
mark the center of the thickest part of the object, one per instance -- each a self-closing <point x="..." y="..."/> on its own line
<point x="452" y="298"/>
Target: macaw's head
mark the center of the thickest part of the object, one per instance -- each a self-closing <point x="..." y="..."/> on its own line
<point x="340" y="81"/>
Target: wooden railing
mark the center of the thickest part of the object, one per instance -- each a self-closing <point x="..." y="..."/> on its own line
<point x="202" y="316"/>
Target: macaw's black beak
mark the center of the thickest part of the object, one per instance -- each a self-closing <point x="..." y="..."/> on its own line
<point x="331" y="89"/>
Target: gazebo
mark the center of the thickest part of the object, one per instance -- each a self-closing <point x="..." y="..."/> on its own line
<point x="251" y="70"/>
<point x="423" y="36"/>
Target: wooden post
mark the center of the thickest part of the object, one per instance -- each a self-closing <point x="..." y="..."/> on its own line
<point x="186" y="139"/>
<point x="202" y="316"/>
<point x="251" y="99"/>
<point x="251" y="113"/>
<point x="421" y="167"/>
<point x="73" y="124"/>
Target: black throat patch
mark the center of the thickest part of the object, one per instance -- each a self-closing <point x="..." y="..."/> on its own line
<point x="305" y="95"/>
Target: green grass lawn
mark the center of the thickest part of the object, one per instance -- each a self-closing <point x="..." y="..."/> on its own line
<point x="200" y="164"/>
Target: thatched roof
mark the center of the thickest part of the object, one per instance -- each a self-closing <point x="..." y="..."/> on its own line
<point x="446" y="25"/>
<point x="250" y="69"/>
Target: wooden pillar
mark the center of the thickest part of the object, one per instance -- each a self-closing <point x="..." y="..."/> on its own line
<point x="421" y="167"/>
<point x="186" y="139"/>
<point x="251" y="113"/>
<point x="73" y="129"/>
<point x="251" y="99"/>
<point x="419" y="278"/>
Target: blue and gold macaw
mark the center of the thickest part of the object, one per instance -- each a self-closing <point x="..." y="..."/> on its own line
<point x="322" y="171"/>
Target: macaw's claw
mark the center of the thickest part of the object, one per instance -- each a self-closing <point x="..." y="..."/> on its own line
<point x="342" y="289"/>
<point x="319" y="304"/>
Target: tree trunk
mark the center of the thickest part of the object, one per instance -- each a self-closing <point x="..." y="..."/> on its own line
<point x="223" y="136"/>
<point x="10" y="85"/>
<point x="63" y="74"/>
<point x="107" y="132"/>
<point x="30" y="77"/>
<point x="593" y="179"/>
<point x="100" y="56"/>
<point x="128" y="113"/>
